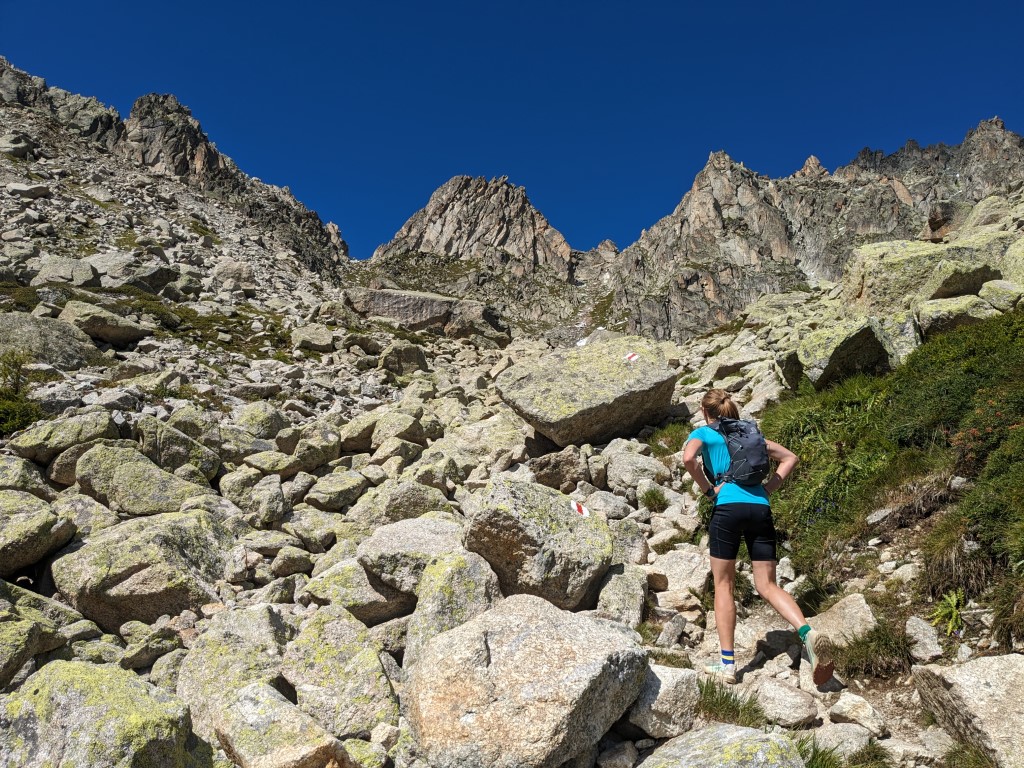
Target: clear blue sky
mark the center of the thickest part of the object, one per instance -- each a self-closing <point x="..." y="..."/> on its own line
<point x="604" y="111"/>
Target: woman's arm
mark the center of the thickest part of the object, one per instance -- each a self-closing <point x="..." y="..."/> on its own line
<point x="787" y="461"/>
<point x="690" y="453"/>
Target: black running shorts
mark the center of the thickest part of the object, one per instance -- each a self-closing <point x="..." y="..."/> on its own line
<point x="731" y="523"/>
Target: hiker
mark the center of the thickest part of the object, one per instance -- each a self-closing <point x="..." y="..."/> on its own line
<point x="742" y="512"/>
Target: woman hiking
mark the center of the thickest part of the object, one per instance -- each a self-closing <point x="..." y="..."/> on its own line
<point x="742" y="512"/>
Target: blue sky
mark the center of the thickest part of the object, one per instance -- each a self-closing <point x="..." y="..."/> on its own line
<point x="604" y="111"/>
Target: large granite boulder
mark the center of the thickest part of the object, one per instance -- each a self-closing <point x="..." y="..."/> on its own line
<point x="348" y="585"/>
<point x="334" y="666"/>
<point x="941" y="315"/>
<point x="843" y="348"/>
<point x="667" y="703"/>
<point x="726" y="746"/>
<point x="73" y="713"/>
<point x="102" y="325"/>
<point x="259" y="727"/>
<point x="45" y="442"/>
<point x="420" y="311"/>
<point x="61" y="269"/>
<point x="44" y="340"/>
<point x="979" y="702"/>
<point x="537" y="541"/>
<point x="17" y="474"/>
<point x="591" y="394"/>
<point x="524" y="685"/>
<point x="172" y="449"/>
<point x="403" y="358"/>
<point x="882" y="277"/>
<point x="845" y="621"/>
<point x="126" y="481"/>
<point x="398" y="553"/>
<point x="29" y="530"/>
<point x="239" y="648"/>
<point x="145" y="568"/>
<point x="452" y="590"/>
<point x="395" y="500"/>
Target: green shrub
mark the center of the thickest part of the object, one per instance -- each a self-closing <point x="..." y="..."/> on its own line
<point x="717" y="701"/>
<point x="16" y="412"/>
<point x="12" y="371"/>
<point x="23" y="298"/>
<point x="882" y="652"/>
<point x="654" y="499"/>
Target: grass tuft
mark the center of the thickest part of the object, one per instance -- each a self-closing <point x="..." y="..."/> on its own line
<point x="882" y="652"/>
<point x="967" y="756"/>
<point x="717" y="701"/>
<point x="665" y="441"/>
<point x="815" y="756"/>
<point x="874" y="755"/>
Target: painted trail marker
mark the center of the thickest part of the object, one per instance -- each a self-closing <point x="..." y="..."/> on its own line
<point x="578" y="508"/>
<point x="631" y="357"/>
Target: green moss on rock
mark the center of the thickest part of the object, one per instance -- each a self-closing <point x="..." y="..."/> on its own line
<point x="90" y="716"/>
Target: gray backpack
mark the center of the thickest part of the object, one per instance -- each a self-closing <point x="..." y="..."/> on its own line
<point x="749" y="464"/>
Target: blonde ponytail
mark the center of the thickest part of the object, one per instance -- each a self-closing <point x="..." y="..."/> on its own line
<point x="718" y="404"/>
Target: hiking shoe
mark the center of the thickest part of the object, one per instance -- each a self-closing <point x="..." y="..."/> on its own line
<point x="819" y="653"/>
<point x="724" y="672"/>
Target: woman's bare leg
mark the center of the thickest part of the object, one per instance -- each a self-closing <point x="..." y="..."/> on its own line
<point x="777" y="597"/>
<point x="724" y="574"/>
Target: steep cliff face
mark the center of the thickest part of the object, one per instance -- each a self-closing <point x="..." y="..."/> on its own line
<point x="491" y="221"/>
<point x="482" y="239"/>
<point x="737" y="235"/>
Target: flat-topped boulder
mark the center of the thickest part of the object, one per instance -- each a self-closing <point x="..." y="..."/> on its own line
<point x="593" y="393"/>
<point x="103" y="325"/>
<point x="418" y="310"/>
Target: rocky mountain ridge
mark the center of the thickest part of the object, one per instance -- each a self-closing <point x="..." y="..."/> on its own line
<point x="735" y="236"/>
<point x="252" y="518"/>
<point x="161" y="138"/>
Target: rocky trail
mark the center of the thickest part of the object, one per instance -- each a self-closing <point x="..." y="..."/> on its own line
<point x="274" y="509"/>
